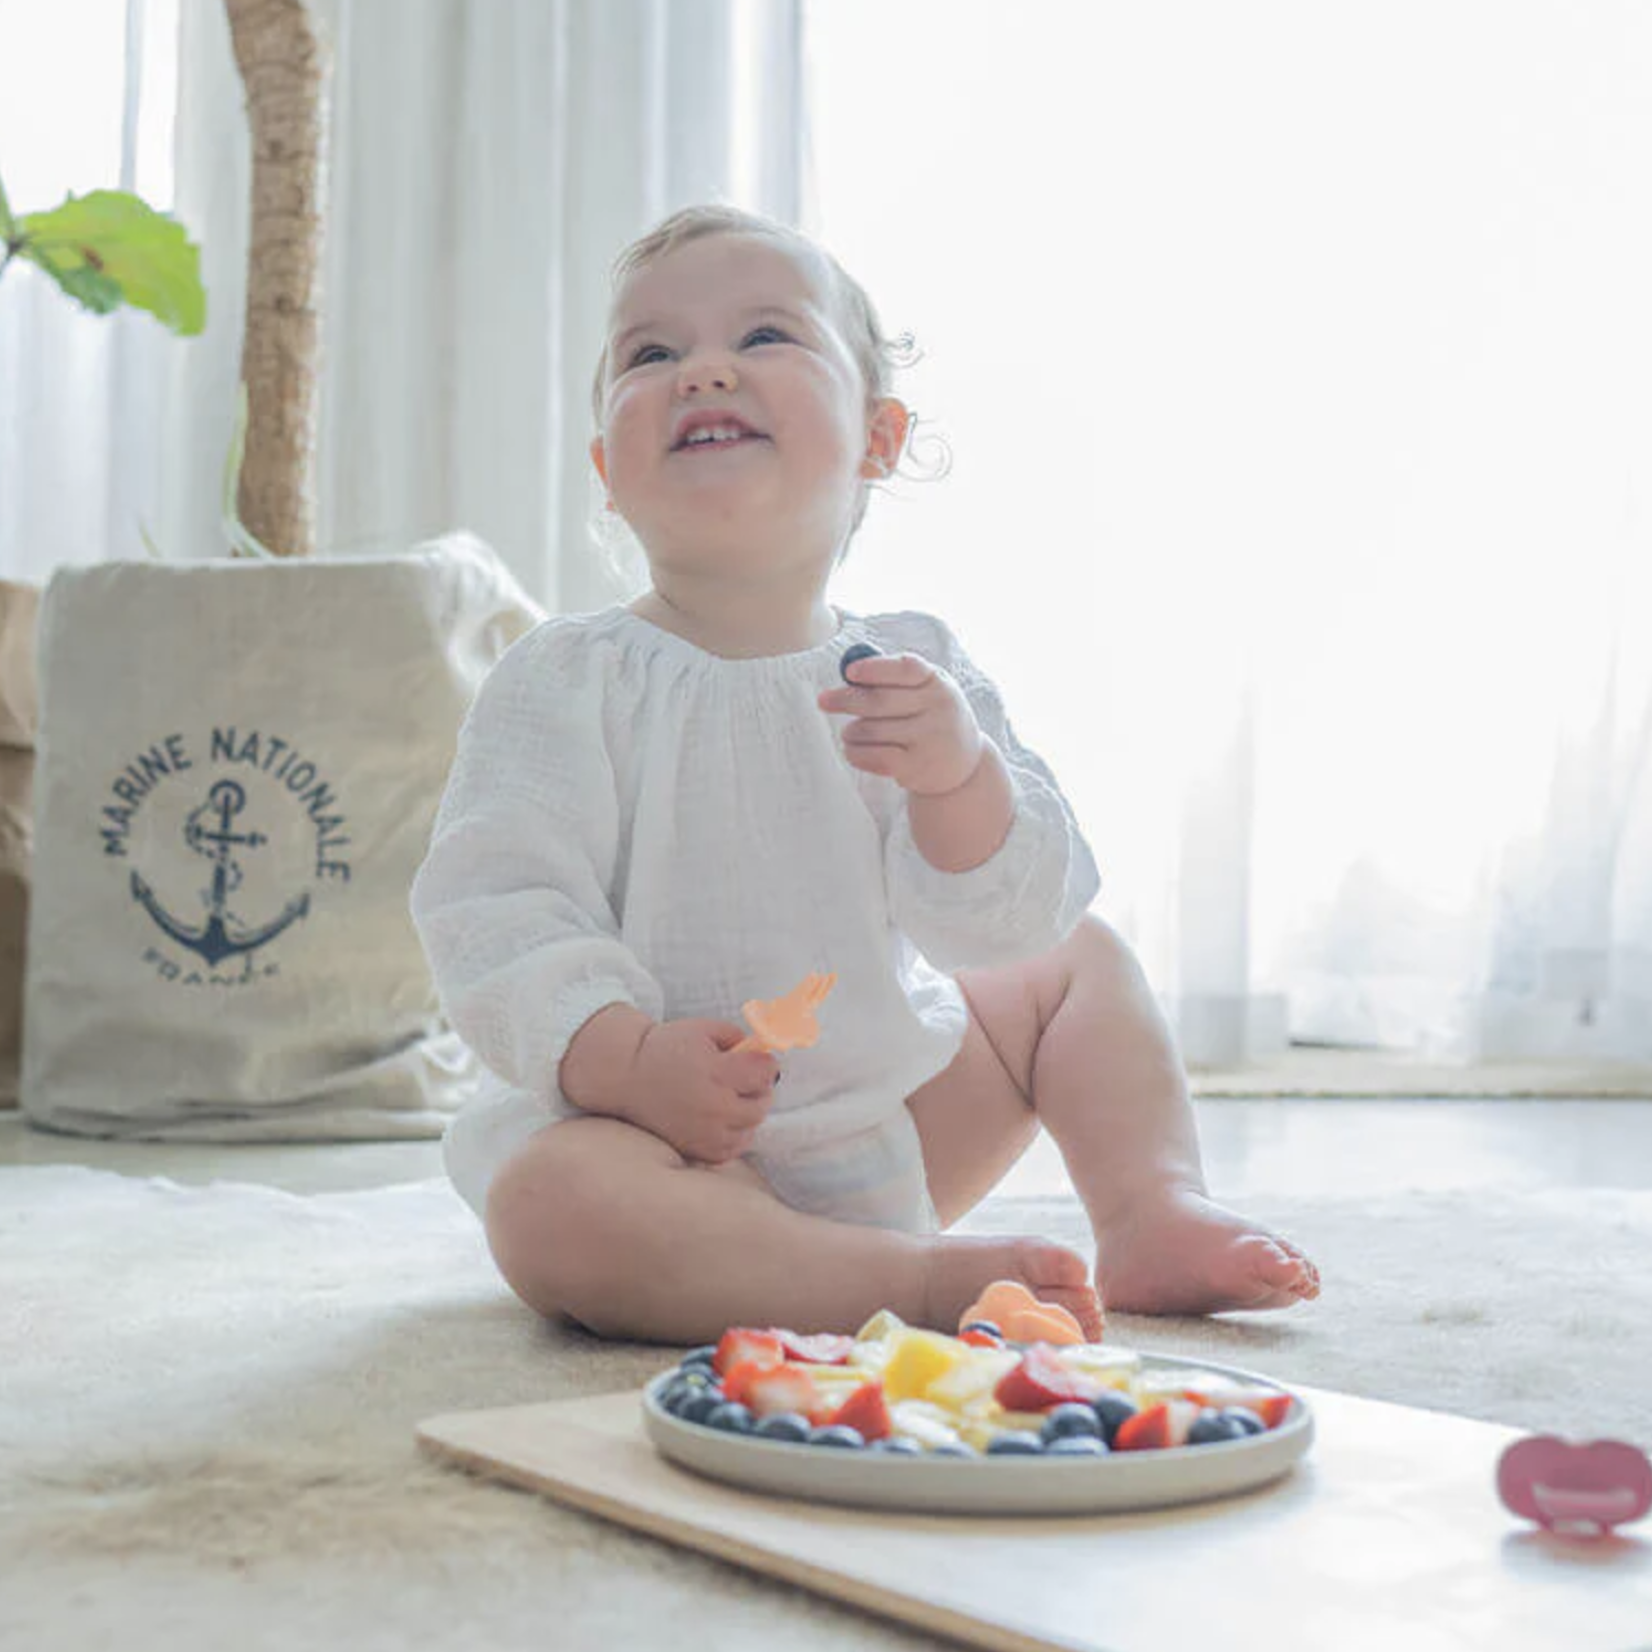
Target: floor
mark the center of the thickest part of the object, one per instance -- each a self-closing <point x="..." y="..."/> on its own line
<point x="1250" y="1145"/>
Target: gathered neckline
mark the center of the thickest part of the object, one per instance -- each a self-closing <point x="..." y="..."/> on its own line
<point x="671" y="644"/>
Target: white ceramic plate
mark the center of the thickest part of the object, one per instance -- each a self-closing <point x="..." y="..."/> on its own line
<point x="992" y="1485"/>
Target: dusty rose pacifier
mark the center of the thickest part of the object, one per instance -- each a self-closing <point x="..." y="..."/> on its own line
<point x="1575" y="1489"/>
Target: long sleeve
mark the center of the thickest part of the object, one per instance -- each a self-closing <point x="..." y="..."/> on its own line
<point x="512" y="903"/>
<point x="1027" y="896"/>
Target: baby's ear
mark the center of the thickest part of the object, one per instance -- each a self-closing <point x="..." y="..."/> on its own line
<point x="886" y="437"/>
<point x="599" y="458"/>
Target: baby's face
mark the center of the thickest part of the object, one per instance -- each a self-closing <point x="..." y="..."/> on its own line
<point x="735" y="420"/>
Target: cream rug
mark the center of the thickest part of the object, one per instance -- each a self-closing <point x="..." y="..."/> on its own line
<point x="207" y="1398"/>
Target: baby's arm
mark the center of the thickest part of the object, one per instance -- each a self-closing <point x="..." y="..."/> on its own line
<point x="511" y="902"/>
<point x="512" y="907"/>
<point x="985" y="862"/>
<point x="681" y="1080"/>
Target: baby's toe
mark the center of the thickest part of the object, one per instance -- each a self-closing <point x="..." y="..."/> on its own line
<point x="1280" y="1268"/>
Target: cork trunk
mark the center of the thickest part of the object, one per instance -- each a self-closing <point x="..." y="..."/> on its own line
<point x="284" y="69"/>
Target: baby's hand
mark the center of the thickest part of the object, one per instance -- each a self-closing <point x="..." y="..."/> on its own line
<point x="911" y="723"/>
<point x="688" y="1087"/>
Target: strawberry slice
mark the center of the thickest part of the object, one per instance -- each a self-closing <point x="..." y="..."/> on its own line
<point x="765" y="1390"/>
<point x="741" y="1346"/>
<point x="865" y="1410"/>
<point x="1268" y="1403"/>
<point x="822" y="1349"/>
<point x="1165" y="1424"/>
<point x="1041" y="1381"/>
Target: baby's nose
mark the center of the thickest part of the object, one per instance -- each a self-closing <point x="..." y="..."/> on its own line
<point x="699" y="376"/>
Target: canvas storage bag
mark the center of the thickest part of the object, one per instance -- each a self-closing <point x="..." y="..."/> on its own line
<point x="239" y="763"/>
<point x="19" y="605"/>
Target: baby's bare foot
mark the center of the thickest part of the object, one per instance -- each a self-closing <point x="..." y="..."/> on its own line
<point x="959" y="1268"/>
<point x="1177" y="1253"/>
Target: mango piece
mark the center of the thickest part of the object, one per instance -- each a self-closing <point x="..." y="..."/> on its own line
<point x="916" y="1360"/>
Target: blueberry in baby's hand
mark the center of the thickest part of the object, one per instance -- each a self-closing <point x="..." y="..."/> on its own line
<point x="860" y="651"/>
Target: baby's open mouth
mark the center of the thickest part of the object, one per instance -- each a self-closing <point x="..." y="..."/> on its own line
<point x="709" y="437"/>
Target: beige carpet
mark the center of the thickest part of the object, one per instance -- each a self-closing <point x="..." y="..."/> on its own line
<point x="1306" y="1071"/>
<point x="207" y="1398"/>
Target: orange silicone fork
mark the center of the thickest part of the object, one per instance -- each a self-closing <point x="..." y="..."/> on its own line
<point x="786" y="1023"/>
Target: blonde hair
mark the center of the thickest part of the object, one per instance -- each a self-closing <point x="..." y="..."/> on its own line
<point x="876" y="355"/>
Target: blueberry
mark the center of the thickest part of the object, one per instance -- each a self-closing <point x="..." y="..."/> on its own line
<point x="982" y="1325"/>
<point x="1065" y="1422"/>
<point x="783" y="1425"/>
<point x="840" y="1435"/>
<point x="698" y="1357"/>
<point x="859" y="651"/>
<point x="895" y="1445"/>
<point x="1076" y="1445"/>
<point x="680" y="1387"/>
<point x="1112" y="1409"/>
<point x="687" y="1382"/>
<point x="696" y="1407"/>
<point x="1210" y="1427"/>
<point x="731" y="1417"/>
<point x="1246" y="1418"/>
<point x="1015" y="1442"/>
<point x="956" y="1448"/>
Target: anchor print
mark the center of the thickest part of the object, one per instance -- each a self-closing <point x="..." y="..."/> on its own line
<point x="208" y="832"/>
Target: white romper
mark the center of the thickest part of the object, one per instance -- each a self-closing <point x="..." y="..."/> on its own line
<point x="630" y="819"/>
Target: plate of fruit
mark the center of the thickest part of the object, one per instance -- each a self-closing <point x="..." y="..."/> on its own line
<point x="990" y="1421"/>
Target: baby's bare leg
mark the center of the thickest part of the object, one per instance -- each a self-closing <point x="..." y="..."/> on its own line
<point x="606" y="1223"/>
<point x="1077" y="1038"/>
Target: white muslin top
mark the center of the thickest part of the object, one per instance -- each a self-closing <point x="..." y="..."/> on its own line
<point x="630" y="819"/>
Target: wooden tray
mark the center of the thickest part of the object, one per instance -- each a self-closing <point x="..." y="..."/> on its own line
<point x="1389" y="1533"/>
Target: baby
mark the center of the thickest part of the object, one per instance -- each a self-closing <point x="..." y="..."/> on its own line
<point x="663" y="810"/>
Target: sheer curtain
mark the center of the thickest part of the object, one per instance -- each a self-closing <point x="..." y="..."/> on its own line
<point x="86" y="89"/>
<point x="1296" y="366"/>
<point x="487" y="161"/>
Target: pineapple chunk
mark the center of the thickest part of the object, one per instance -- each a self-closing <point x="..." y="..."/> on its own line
<point x="971" y="1378"/>
<point x="927" y="1424"/>
<point x="1168" y="1383"/>
<point x="916" y="1360"/>
<point x="1117" y="1367"/>
<point x="979" y="1429"/>
<point x="882" y="1325"/>
<point x="836" y="1377"/>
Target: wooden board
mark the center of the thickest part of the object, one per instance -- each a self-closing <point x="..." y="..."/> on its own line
<point x="1388" y="1534"/>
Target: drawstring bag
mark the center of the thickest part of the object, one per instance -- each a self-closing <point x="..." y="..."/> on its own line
<point x="239" y="765"/>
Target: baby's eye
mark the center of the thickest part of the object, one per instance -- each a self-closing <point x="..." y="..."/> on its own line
<point x="645" y="354"/>
<point x="765" y="335"/>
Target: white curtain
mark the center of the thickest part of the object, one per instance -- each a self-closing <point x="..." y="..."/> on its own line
<point x="486" y="163"/>
<point x="1296" y="364"/>
<point x="86" y="89"/>
<point x="1294" y="361"/>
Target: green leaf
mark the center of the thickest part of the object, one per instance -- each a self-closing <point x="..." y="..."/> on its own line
<point x="5" y="215"/>
<point x="109" y="248"/>
<point x="97" y="292"/>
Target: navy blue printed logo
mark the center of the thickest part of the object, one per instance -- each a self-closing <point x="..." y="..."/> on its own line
<point x="261" y="823"/>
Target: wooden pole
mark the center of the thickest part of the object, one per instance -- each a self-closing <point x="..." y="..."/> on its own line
<point x="284" y="70"/>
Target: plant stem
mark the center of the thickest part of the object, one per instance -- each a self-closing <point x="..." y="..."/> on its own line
<point x="7" y="222"/>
